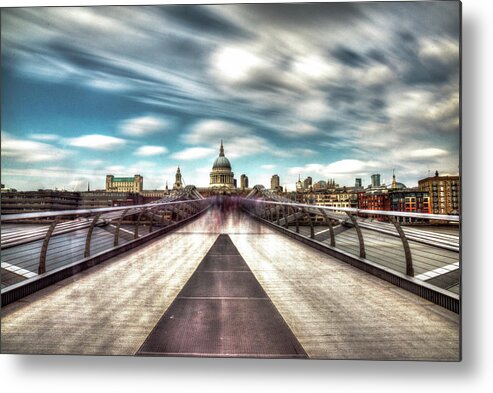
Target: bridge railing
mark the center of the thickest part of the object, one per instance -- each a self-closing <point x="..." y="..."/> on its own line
<point x="372" y="230"/>
<point x="37" y="243"/>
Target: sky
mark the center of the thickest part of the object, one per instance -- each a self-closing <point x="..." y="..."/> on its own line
<point x="332" y="91"/>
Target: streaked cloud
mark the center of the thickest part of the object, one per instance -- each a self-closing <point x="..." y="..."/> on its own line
<point x="27" y="151"/>
<point x="143" y="126"/>
<point x="44" y="137"/>
<point x="150" y="150"/>
<point x="194" y="153"/>
<point x="428" y="152"/>
<point x="97" y="142"/>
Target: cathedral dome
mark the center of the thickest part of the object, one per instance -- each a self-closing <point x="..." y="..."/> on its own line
<point x="221" y="161"/>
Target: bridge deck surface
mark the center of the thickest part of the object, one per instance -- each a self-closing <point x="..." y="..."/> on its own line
<point x="335" y="310"/>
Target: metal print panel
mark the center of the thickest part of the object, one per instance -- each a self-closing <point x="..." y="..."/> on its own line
<point x="242" y="180"/>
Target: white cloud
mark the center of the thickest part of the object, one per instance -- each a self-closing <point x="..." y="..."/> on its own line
<point x="313" y="108"/>
<point x="238" y="140"/>
<point x="44" y="137"/>
<point x="442" y="49"/>
<point x="298" y="130"/>
<point x="428" y="153"/>
<point x="212" y="131"/>
<point x="235" y="64"/>
<point x="267" y="166"/>
<point x="375" y="75"/>
<point x="340" y="167"/>
<point x="409" y="103"/>
<point x="150" y="150"/>
<point x="193" y="153"/>
<point x="116" y="168"/>
<point x="30" y="151"/>
<point x="446" y="108"/>
<point x="94" y="162"/>
<point x="97" y="142"/>
<point x="105" y="83"/>
<point x="144" y="125"/>
<point x="315" y="67"/>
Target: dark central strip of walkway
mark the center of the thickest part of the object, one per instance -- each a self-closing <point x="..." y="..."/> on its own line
<point x="222" y="311"/>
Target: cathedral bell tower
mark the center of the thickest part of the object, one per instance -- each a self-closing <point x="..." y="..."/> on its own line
<point x="178" y="182"/>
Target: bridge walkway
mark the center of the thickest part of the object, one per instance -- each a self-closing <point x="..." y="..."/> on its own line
<point x="333" y="309"/>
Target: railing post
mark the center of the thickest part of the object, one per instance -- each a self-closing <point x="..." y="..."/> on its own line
<point x="87" y="252"/>
<point x="152" y="219"/>
<point x="263" y="209"/>
<point x="176" y="210"/>
<point x="331" y="228"/>
<point x="405" y="244"/>
<point x="277" y="214"/>
<point x="162" y="217"/>
<point x="136" y="232"/>
<point x="117" y="231"/>
<point x="297" y="220"/>
<point x="312" y="230"/>
<point x="44" y="247"/>
<point x="362" y="252"/>
<point x="285" y="212"/>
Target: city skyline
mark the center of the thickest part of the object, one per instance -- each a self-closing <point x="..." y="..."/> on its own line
<point x="383" y="95"/>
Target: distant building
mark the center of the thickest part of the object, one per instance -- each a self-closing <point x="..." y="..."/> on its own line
<point x="375" y="180"/>
<point x="37" y="201"/>
<point x="374" y="201"/>
<point x="331" y="184"/>
<point x="178" y="180"/>
<point x="243" y="181"/>
<point x="320" y="185"/>
<point x="275" y="183"/>
<point x="395" y="185"/>
<point x="299" y="184"/>
<point x="340" y="197"/>
<point x="124" y="184"/>
<point x="7" y="189"/>
<point x="410" y="201"/>
<point x="100" y="199"/>
<point x="153" y="195"/>
<point x="444" y="192"/>
<point x="358" y="183"/>
<point x="307" y="183"/>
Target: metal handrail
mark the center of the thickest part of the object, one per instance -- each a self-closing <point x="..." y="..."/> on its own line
<point x="350" y="214"/>
<point x="184" y="209"/>
<point x="26" y="216"/>
<point x="428" y="216"/>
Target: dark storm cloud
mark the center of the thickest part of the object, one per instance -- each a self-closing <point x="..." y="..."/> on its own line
<point x="348" y="57"/>
<point x="203" y="19"/>
<point x="406" y="36"/>
<point x="343" y="94"/>
<point x="304" y="14"/>
<point x="377" y="104"/>
<point x="418" y="70"/>
<point x="378" y="56"/>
